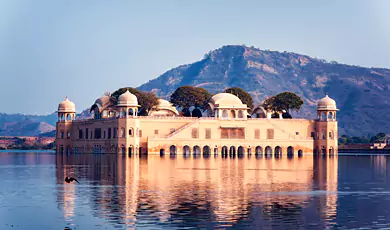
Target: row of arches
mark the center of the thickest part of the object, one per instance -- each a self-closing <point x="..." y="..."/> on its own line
<point x="66" y="116"/>
<point x="232" y="150"/>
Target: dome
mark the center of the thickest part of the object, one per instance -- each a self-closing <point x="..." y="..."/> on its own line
<point x="326" y="103"/>
<point x="127" y="99"/>
<point x="66" y="106"/>
<point x="164" y="104"/>
<point x="103" y="100"/>
<point x="225" y="100"/>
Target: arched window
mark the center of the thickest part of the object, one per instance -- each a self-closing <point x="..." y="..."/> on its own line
<point x="131" y="112"/>
<point x="232" y="114"/>
<point x="323" y="136"/>
<point x="240" y="114"/>
<point x="331" y="135"/>
<point x="224" y="113"/>
<point x="131" y="132"/>
<point x="122" y="134"/>
<point x="68" y="135"/>
<point x="323" y="116"/>
<point x="80" y="134"/>
<point x="123" y="113"/>
<point x="330" y="116"/>
<point x="68" y="117"/>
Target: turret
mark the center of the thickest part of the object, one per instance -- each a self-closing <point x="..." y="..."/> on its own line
<point x="66" y="114"/>
<point x="326" y="138"/>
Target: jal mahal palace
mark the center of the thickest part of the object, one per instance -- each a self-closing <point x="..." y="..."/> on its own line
<point x="228" y="129"/>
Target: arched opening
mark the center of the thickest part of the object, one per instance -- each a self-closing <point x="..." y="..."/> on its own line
<point x="232" y="151"/>
<point x="232" y="114"/>
<point x="122" y="133"/>
<point x="240" y="114"/>
<point x="224" y="151"/>
<point x="196" y="150"/>
<point x="162" y="152"/>
<point x="123" y="114"/>
<point x="259" y="150"/>
<point x="300" y="153"/>
<point x="323" y="135"/>
<point x="68" y="117"/>
<point x="196" y="113"/>
<point x="278" y="151"/>
<point x="290" y="151"/>
<point x="62" y="117"/>
<point x="331" y="135"/>
<point x="331" y="151"/>
<point x="323" y="150"/>
<point x="240" y="151"/>
<point x="186" y="150"/>
<point x="268" y="151"/>
<point x="323" y="116"/>
<point x="140" y="150"/>
<point x="131" y="132"/>
<point x="61" y="149"/>
<point x="330" y="116"/>
<point x="123" y="149"/>
<point x="206" y="150"/>
<point x="130" y="150"/>
<point x="215" y="151"/>
<point x="225" y="113"/>
<point x="80" y="134"/>
<point x="131" y="112"/>
<point x="172" y="150"/>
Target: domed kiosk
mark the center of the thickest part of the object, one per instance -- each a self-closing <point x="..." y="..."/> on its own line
<point x="164" y="108"/>
<point x="128" y="105"/>
<point x="326" y="109"/>
<point x="227" y="106"/>
<point x="326" y="127"/>
<point x="66" y="110"/>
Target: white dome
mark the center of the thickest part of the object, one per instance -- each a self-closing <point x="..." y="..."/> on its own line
<point x="326" y="103"/>
<point x="225" y="99"/>
<point x="166" y="105"/>
<point x="127" y="99"/>
<point x="66" y="106"/>
<point x="103" y="100"/>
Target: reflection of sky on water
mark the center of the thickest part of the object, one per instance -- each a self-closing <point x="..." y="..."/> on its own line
<point x="118" y="191"/>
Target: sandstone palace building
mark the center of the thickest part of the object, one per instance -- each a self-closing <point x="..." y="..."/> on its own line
<point x="227" y="130"/>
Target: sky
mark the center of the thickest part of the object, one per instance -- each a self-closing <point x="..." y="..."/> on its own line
<point x="81" y="49"/>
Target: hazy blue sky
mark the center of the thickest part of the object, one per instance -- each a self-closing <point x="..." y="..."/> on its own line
<point x="81" y="49"/>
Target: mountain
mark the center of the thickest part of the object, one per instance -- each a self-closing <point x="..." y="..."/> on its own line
<point x="26" y="125"/>
<point x="362" y="94"/>
<point x="32" y="125"/>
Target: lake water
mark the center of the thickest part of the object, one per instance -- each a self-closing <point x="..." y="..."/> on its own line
<point x="154" y="192"/>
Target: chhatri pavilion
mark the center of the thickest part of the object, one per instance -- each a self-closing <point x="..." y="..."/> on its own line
<point x="227" y="129"/>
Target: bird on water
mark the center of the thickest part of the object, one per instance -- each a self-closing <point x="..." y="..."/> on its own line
<point x="71" y="179"/>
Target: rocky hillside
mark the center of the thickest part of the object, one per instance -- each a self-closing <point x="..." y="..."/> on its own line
<point x="362" y="94"/>
<point x="26" y="125"/>
<point x="31" y="125"/>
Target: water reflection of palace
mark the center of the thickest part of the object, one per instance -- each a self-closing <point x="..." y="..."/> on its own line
<point x="179" y="191"/>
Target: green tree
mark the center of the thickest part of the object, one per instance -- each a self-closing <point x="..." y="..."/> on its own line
<point x="186" y="96"/>
<point x="380" y="137"/>
<point x="244" y="96"/>
<point x="283" y="102"/>
<point x="147" y="100"/>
